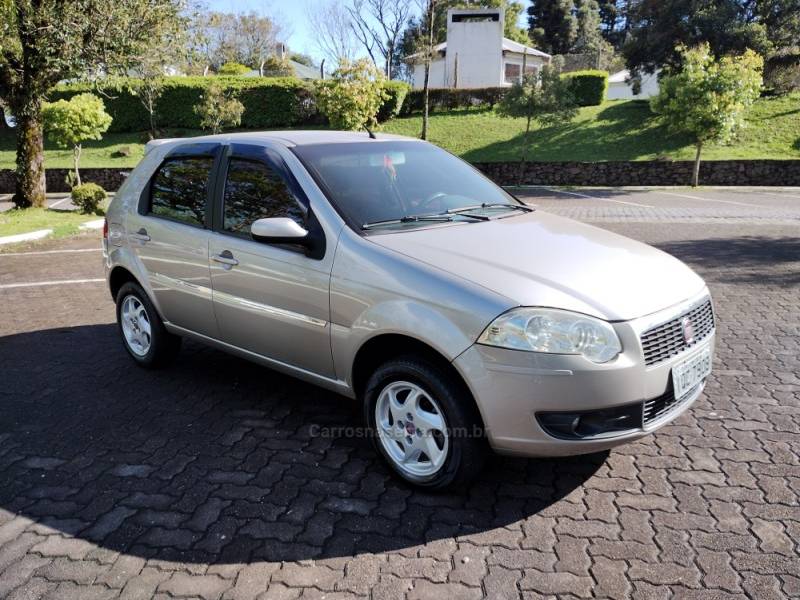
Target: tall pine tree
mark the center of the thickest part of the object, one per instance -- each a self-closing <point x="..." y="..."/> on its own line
<point x="552" y="25"/>
<point x="588" y="38"/>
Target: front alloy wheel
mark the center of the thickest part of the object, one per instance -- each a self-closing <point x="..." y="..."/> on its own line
<point x="412" y="429"/>
<point x="424" y="423"/>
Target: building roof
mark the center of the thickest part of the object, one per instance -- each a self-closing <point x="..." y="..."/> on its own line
<point x="508" y="46"/>
<point x="619" y="76"/>
<point x="301" y="71"/>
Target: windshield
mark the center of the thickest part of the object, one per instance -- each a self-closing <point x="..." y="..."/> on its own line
<point x="391" y="183"/>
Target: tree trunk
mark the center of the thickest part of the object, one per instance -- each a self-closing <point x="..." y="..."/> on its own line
<point x="76" y="158"/>
<point x="30" y="181"/>
<point x="425" y="101"/>
<point x="428" y="58"/>
<point x="696" y="174"/>
<point x="524" y="160"/>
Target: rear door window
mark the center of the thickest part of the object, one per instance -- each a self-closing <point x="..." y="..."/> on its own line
<point x="179" y="190"/>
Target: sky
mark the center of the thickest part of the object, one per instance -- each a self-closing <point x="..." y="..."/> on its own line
<point x="292" y="14"/>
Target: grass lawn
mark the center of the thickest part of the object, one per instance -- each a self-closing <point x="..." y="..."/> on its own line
<point x="96" y="153"/>
<point x="63" y="223"/>
<point x="613" y="131"/>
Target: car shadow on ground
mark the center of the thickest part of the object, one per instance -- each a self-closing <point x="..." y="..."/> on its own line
<point x="217" y="460"/>
<point x="746" y="259"/>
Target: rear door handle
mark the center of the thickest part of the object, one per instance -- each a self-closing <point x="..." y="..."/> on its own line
<point x="140" y="236"/>
<point x="226" y="258"/>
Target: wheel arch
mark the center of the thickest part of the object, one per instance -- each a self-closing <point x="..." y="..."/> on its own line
<point x="118" y="277"/>
<point x="383" y="347"/>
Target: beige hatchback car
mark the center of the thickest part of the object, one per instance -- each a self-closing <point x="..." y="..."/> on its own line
<point x="386" y="269"/>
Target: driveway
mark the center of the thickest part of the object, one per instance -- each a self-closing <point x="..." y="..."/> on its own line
<point x="210" y="479"/>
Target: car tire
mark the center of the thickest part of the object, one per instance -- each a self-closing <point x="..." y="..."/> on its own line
<point x="408" y="387"/>
<point x="143" y="334"/>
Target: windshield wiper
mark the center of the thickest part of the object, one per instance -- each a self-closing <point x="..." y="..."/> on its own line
<point x="408" y="219"/>
<point x="464" y="209"/>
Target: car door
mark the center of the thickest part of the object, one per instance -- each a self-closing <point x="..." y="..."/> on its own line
<point x="270" y="299"/>
<point x="170" y="235"/>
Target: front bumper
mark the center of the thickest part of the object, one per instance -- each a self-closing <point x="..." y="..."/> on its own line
<point x="514" y="390"/>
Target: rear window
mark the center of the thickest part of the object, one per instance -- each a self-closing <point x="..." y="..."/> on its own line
<point x="380" y="180"/>
<point x="180" y="189"/>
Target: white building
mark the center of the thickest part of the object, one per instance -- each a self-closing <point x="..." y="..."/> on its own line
<point x="620" y="88"/>
<point x="476" y="54"/>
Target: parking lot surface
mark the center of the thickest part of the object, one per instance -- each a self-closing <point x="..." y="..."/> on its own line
<point x="209" y="479"/>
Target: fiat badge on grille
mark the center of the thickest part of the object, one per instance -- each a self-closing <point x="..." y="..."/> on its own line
<point x="688" y="330"/>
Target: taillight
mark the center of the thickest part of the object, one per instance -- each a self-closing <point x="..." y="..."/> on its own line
<point x="105" y="229"/>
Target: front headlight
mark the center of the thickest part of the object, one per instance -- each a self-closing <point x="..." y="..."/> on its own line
<point x="553" y="331"/>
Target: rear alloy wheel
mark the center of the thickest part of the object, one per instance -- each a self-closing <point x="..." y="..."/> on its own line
<point x="424" y="423"/>
<point x="143" y="333"/>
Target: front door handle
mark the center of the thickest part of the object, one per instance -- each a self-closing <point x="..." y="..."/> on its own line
<point x="140" y="236"/>
<point x="226" y="258"/>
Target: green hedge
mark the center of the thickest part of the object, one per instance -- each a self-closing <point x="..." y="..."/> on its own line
<point x="451" y="99"/>
<point x="269" y="102"/>
<point x="397" y="90"/>
<point x="588" y="86"/>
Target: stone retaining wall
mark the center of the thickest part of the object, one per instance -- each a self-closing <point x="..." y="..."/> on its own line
<point x="720" y="172"/>
<point x="617" y="173"/>
<point x="108" y="179"/>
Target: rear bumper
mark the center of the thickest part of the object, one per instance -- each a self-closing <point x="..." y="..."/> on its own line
<point x="522" y="394"/>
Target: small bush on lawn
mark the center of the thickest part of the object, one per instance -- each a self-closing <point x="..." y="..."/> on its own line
<point x="352" y="97"/>
<point x="396" y="94"/>
<point x="89" y="197"/>
<point x="588" y="87"/>
<point x="218" y="110"/>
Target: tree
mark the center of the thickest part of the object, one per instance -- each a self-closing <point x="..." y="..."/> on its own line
<point x="45" y="41"/>
<point x="552" y="25"/>
<point x="332" y="29"/>
<point x="218" y="38"/>
<point x="218" y="110"/>
<point x="69" y="123"/>
<point x="378" y="25"/>
<point x="707" y="98"/>
<point x="352" y="96"/>
<point x="587" y="27"/>
<point x="543" y="97"/>
<point x="430" y="15"/>
<point x="659" y="28"/>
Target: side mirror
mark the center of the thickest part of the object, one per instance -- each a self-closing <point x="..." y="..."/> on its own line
<point x="278" y="230"/>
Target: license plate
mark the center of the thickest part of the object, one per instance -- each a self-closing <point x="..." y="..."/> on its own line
<point x="691" y="372"/>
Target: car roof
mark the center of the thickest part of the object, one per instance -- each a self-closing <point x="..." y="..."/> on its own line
<point x="287" y="138"/>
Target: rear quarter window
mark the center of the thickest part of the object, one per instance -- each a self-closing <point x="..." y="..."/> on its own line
<point x="179" y="189"/>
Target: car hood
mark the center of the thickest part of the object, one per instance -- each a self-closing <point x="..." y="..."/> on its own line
<point x="539" y="259"/>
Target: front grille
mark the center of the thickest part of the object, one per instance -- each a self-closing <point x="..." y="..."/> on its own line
<point x="658" y="407"/>
<point x="667" y="340"/>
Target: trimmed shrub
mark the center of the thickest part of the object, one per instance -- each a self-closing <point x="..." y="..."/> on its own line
<point x="88" y="197"/>
<point x="391" y="107"/>
<point x="233" y="68"/>
<point x="589" y="87"/>
<point x="269" y="102"/>
<point x="451" y="99"/>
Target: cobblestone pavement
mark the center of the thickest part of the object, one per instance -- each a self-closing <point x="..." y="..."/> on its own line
<point x="204" y="480"/>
